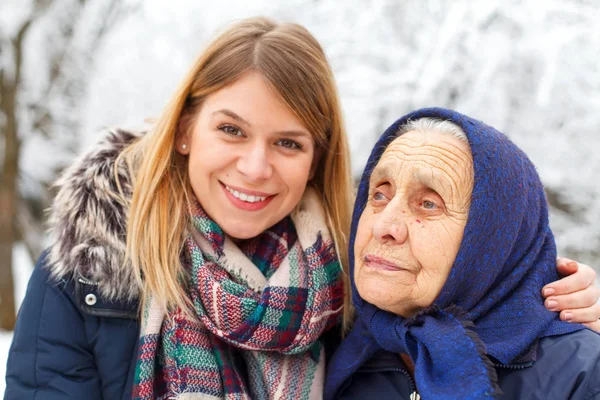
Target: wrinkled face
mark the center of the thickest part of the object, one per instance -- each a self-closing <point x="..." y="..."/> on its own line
<point x="411" y="228"/>
<point x="249" y="157"/>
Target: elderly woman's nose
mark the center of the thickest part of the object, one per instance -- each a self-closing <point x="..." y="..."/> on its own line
<point x="390" y="229"/>
<point x="254" y="163"/>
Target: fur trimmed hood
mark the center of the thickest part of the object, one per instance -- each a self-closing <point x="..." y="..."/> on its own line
<point x="88" y="220"/>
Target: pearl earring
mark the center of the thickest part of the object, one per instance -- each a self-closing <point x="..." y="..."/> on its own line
<point x="184" y="146"/>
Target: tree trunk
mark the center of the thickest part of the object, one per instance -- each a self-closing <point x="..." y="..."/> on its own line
<point x="12" y="215"/>
<point x="9" y="86"/>
<point x="8" y="206"/>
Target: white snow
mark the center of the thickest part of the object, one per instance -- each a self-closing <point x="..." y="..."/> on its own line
<point x="527" y="67"/>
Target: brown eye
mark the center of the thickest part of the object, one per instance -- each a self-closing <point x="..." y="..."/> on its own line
<point x="231" y="130"/>
<point x="289" y="144"/>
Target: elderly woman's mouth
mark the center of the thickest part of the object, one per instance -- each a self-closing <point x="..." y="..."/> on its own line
<point x="383" y="264"/>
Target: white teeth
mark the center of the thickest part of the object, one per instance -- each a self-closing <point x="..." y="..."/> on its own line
<point x="243" y="196"/>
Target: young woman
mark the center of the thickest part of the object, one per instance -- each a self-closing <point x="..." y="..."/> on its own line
<point x="217" y="237"/>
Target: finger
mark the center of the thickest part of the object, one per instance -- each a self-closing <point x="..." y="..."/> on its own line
<point x="581" y="299"/>
<point x="594" y="325"/>
<point x="565" y="266"/>
<point x="563" y="260"/>
<point x="581" y="315"/>
<point x="583" y="278"/>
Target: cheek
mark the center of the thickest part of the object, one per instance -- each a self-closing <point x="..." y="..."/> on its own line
<point x="435" y="245"/>
<point x="294" y="174"/>
<point x="206" y="152"/>
<point x="367" y="286"/>
<point x="204" y="166"/>
<point x="364" y="232"/>
<point x="202" y="163"/>
<point x="450" y="238"/>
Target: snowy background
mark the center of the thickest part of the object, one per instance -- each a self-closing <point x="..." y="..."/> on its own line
<point x="528" y="68"/>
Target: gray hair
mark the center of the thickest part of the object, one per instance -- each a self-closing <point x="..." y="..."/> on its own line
<point x="428" y="124"/>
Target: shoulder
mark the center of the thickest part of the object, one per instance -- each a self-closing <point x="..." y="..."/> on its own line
<point x="578" y="354"/>
<point x="568" y="366"/>
<point x="58" y="348"/>
<point x="579" y="349"/>
<point x="88" y="220"/>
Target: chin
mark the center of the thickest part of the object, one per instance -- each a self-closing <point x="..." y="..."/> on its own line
<point x="370" y="290"/>
<point x="241" y="234"/>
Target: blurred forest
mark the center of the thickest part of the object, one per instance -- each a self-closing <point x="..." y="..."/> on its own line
<point x="527" y="67"/>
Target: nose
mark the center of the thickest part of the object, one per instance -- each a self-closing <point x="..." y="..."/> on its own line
<point x="255" y="163"/>
<point x="390" y="227"/>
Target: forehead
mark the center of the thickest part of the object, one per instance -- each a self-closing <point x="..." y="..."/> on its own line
<point x="252" y="98"/>
<point x="424" y="154"/>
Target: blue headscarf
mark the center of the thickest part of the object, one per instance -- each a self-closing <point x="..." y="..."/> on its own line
<point x="491" y="303"/>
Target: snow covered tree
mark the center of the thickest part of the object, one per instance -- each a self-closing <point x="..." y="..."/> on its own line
<point x="526" y="67"/>
<point x="47" y="49"/>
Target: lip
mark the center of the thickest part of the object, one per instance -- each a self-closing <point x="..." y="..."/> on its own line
<point x="382" y="264"/>
<point x="246" y="191"/>
<point x="244" y="205"/>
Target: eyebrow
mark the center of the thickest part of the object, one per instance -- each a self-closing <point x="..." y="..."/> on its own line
<point x="433" y="181"/>
<point x="295" y="134"/>
<point x="379" y="172"/>
<point x="231" y="114"/>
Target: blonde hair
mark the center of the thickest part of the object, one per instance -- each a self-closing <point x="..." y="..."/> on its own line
<point x="293" y="63"/>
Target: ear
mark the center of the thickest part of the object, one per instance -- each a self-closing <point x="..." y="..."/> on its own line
<point x="183" y="138"/>
<point x="182" y="145"/>
<point x="315" y="162"/>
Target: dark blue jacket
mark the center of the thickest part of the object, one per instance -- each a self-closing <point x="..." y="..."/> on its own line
<point x="67" y="348"/>
<point x="567" y="367"/>
<point x="77" y="330"/>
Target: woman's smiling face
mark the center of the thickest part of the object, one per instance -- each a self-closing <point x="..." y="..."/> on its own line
<point x="249" y="157"/>
<point x="411" y="228"/>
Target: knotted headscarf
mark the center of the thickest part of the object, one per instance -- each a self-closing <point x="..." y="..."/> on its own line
<point x="490" y="309"/>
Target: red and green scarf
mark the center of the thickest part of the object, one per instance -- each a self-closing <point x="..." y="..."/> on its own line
<point x="261" y="308"/>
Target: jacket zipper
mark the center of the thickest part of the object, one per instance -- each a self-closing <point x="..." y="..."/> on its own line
<point x="414" y="395"/>
<point x="86" y="281"/>
<point x="513" y="366"/>
<point x="413" y="387"/>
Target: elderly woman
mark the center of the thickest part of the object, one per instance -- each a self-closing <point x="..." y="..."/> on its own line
<point x="450" y="248"/>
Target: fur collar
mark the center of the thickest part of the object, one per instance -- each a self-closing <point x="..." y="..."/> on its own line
<point x="88" y="220"/>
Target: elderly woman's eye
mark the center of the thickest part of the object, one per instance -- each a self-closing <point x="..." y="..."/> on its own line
<point x="429" y="205"/>
<point x="381" y="193"/>
<point x="378" y="196"/>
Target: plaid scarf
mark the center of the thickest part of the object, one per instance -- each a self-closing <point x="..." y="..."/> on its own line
<point x="260" y="310"/>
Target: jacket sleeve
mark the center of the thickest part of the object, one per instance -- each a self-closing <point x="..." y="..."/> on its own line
<point x="50" y="357"/>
